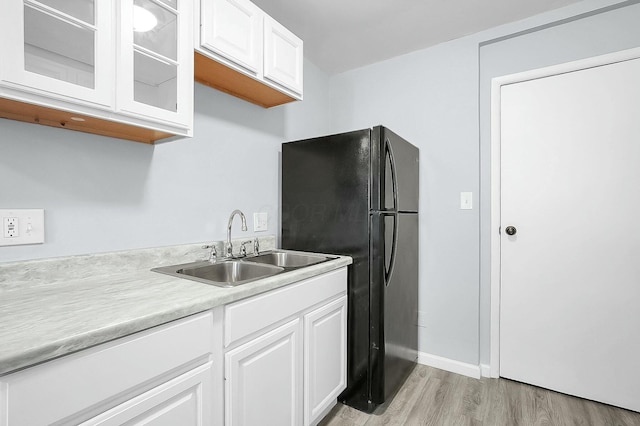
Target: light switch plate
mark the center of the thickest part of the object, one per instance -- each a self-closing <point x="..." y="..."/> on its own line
<point x="260" y="221"/>
<point x="21" y="226"/>
<point x="466" y="200"/>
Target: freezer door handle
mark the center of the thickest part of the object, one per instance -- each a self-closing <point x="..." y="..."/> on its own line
<point x="388" y="153"/>
<point x="388" y="269"/>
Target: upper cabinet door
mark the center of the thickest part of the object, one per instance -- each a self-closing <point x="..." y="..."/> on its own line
<point x="233" y="29"/>
<point x="283" y="61"/>
<point x="155" y="60"/>
<point x="59" y="48"/>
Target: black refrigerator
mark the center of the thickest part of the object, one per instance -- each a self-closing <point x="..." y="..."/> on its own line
<point x="356" y="194"/>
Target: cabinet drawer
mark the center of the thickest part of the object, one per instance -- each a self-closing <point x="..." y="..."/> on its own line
<point x="183" y="401"/>
<point x="249" y="316"/>
<point x="104" y="375"/>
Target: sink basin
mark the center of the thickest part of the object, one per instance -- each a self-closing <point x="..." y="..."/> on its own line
<point x="288" y="259"/>
<point x="222" y="274"/>
<point x="234" y="272"/>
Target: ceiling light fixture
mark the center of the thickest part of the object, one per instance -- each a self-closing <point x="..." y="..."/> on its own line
<point x="143" y="20"/>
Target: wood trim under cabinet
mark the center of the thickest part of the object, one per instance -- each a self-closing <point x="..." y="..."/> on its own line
<point x="219" y="76"/>
<point x="30" y="113"/>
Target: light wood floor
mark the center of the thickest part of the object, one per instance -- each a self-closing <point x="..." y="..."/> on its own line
<point x="436" y="397"/>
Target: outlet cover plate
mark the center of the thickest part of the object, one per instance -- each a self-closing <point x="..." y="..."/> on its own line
<point x="466" y="200"/>
<point x="260" y="221"/>
<point x="28" y="226"/>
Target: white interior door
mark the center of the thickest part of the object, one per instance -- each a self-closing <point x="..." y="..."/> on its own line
<point x="570" y="276"/>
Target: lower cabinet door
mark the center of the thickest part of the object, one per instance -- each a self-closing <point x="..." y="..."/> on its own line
<point x="264" y="379"/>
<point x="185" y="401"/>
<point x="325" y="348"/>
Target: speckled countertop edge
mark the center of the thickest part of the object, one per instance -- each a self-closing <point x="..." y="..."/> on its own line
<point x="43" y="322"/>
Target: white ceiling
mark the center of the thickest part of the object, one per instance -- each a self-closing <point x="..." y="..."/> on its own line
<point x="340" y="35"/>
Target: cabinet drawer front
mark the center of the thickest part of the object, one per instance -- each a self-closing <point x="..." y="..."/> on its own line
<point x="249" y="316"/>
<point x="183" y="401"/>
<point x="79" y="382"/>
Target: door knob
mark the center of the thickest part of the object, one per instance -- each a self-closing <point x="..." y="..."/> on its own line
<point x="511" y="230"/>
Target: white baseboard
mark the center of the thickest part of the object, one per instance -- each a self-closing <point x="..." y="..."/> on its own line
<point x="451" y="365"/>
<point x="485" y="370"/>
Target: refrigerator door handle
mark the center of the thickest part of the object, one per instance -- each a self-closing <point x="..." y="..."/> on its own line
<point x="394" y="178"/>
<point x="388" y="271"/>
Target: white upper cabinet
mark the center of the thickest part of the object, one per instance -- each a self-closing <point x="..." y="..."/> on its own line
<point x="122" y="69"/>
<point x="59" y="48"/>
<point x="155" y="67"/>
<point x="282" y="55"/>
<point x="233" y="29"/>
<point x="244" y="52"/>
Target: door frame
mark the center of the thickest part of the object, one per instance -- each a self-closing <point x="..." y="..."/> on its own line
<point x="496" y="167"/>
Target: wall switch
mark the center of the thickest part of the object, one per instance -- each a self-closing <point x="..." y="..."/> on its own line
<point x="260" y="221"/>
<point x="22" y="226"/>
<point x="466" y="200"/>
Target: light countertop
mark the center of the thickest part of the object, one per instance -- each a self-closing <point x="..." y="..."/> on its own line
<point x="54" y="307"/>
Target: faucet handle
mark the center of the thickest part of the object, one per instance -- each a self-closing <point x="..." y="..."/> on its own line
<point x="243" y="247"/>
<point x="213" y="254"/>
<point x="256" y="246"/>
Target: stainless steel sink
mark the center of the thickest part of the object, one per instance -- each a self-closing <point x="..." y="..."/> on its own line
<point x="228" y="273"/>
<point x="285" y="259"/>
<point x="234" y="272"/>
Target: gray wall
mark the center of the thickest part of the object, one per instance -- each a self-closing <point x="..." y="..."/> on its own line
<point x="103" y="194"/>
<point x="432" y="98"/>
<point x="427" y="97"/>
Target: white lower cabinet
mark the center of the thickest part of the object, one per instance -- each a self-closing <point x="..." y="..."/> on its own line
<point x="264" y="381"/>
<point x="274" y="359"/>
<point x="285" y="353"/>
<point x="325" y="358"/>
<point x="166" y="370"/>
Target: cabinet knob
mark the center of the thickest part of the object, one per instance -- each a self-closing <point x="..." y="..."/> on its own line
<point x="511" y="230"/>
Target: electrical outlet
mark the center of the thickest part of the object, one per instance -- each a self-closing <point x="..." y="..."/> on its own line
<point x="260" y="221"/>
<point x="11" y="227"/>
<point x="22" y="226"/>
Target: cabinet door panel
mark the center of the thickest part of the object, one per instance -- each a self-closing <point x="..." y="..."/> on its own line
<point x="325" y="348"/>
<point x="264" y="380"/>
<point x="59" y="49"/>
<point x="282" y="56"/>
<point x="156" y="61"/>
<point x="81" y="9"/>
<point x="162" y="37"/>
<point x="233" y="29"/>
<point x="184" y="401"/>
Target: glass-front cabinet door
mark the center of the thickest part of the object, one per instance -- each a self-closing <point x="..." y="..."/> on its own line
<point x="59" y="48"/>
<point x="156" y="60"/>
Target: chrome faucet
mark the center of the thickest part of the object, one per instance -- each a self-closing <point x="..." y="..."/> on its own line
<point x="244" y="228"/>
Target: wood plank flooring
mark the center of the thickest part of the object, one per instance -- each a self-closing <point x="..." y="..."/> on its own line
<point x="439" y="398"/>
